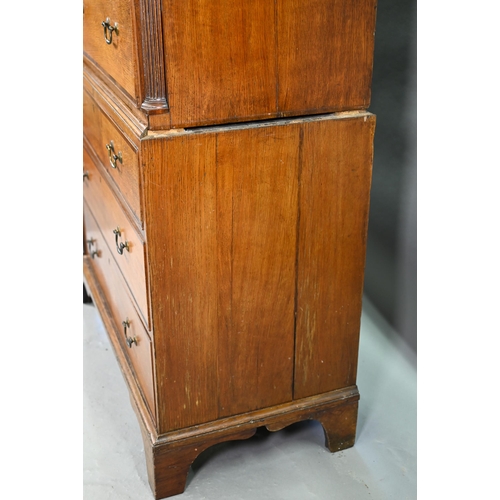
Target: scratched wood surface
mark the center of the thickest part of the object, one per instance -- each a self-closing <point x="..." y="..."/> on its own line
<point x="180" y="201"/>
<point x="222" y="270"/>
<point x="249" y="239"/>
<point x="220" y="60"/>
<point x="257" y="221"/>
<point x="325" y="54"/>
<point x="233" y="61"/>
<point x="334" y="202"/>
<point x="256" y="238"/>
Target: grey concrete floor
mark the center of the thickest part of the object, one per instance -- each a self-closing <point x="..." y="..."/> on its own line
<point x="291" y="464"/>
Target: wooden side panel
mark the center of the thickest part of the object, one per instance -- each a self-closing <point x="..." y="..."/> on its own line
<point x="220" y="59"/>
<point x="334" y="201"/>
<point x="257" y="182"/>
<point x="180" y="202"/>
<point x="325" y="54"/>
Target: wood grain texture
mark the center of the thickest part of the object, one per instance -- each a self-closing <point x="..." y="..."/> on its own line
<point x="334" y="202"/>
<point x="256" y="228"/>
<point x="325" y="54"/>
<point x="228" y="61"/>
<point x="118" y="59"/>
<point x="220" y="60"/>
<point x="180" y="196"/>
<point x="244" y="279"/>
<point x="256" y="238"/>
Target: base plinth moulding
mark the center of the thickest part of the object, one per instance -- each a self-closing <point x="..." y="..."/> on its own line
<point x="169" y="456"/>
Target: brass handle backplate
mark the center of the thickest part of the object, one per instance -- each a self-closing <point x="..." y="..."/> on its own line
<point x="129" y="340"/>
<point x="109" y="29"/>
<point x="113" y="157"/>
<point x="120" y="246"/>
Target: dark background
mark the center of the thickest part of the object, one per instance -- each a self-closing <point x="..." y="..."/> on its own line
<point x="391" y="262"/>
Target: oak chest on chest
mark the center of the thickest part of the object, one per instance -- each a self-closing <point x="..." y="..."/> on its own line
<point x="227" y="165"/>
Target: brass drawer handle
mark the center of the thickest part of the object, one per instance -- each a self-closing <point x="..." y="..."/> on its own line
<point x="120" y="246"/>
<point x="129" y="340"/>
<point x="93" y="253"/>
<point x="90" y="242"/>
<point x="113" y="157"/>
<point x="109" y="29"/>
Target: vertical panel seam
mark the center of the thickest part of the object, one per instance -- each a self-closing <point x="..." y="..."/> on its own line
<point x="217" y="271"/>
<point x="297" y="240"/>
<point x="276" y="54"/>
<point x="231" y="259"/>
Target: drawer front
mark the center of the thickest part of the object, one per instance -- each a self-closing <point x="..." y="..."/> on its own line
<point x="125" y="243"/>
<point x="108" y="144"/>
<point x="139" y="353"/>
<point x="116" y="58"/>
